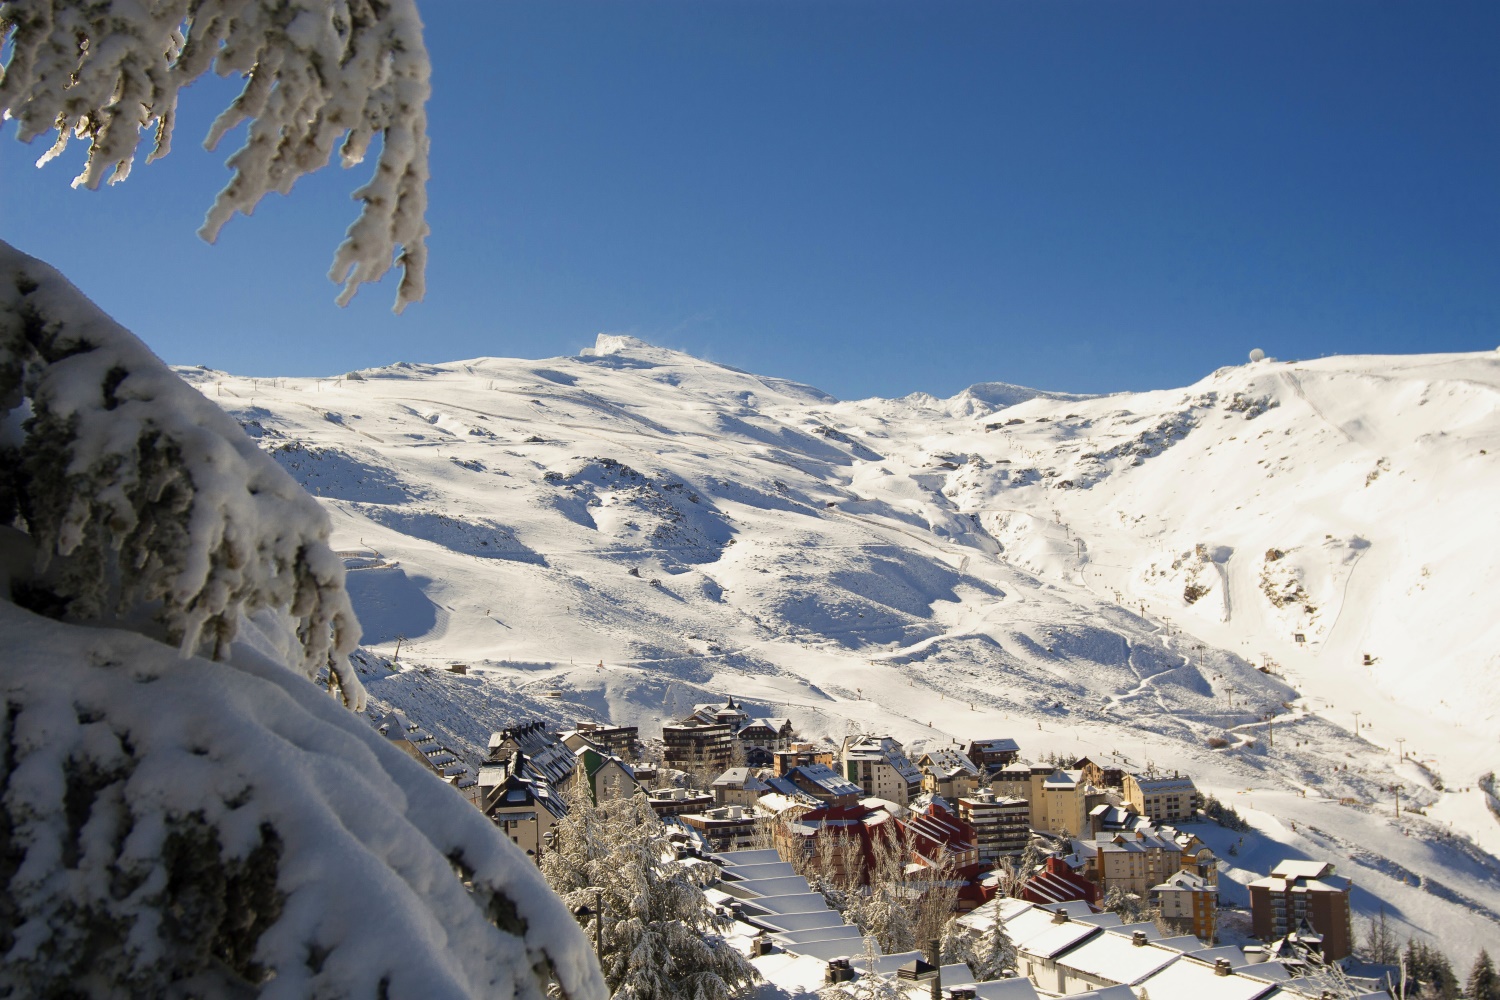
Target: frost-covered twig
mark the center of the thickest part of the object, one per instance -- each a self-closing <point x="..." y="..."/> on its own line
<point x="315" y="72"/>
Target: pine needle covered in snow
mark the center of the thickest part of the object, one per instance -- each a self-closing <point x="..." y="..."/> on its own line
<point x="314" y="73"/>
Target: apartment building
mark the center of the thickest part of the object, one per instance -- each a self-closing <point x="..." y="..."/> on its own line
<point x="1002" y="827"/>
<point x="879" y="766"/>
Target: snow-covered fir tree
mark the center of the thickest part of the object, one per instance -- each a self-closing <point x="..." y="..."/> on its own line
<point x="988" y="952"/>
<point x="173" y="824"/>
<point x="661" y="938"/>
<point x="1128" y="906"/>
<point x="1483" y="983"/>
<point x="182" y="813"/>
<point x="1428" y="971"/>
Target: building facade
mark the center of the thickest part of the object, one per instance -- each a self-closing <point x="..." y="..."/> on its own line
<point x="1002" y="827"/>
<point x="694" y="746"/>
<point x="1298" y="891"/>
<point x="879" y="766"/>
<point x="1188" y="902"/>
<point x="1163" y="800"/>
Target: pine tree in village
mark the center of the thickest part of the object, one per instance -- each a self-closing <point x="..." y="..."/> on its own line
<point x="660" y="938"/>
<point x="1128" y="906"/>
<point x="1428" y="972"/>
<point x="988" y="952"/>
<point x="1483" y="983"/>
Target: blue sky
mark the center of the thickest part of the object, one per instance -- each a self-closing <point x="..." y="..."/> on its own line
<point x="873" y="197"/>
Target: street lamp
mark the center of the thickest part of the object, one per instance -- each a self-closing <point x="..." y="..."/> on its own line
<point x="582" y="912"/>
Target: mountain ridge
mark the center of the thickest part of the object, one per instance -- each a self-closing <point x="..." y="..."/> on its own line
<point x="627" y="532"/>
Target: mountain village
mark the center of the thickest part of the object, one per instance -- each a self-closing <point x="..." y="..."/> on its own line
<point x="1090" y="869"/>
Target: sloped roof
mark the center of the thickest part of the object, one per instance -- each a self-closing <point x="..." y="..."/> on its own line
<point x="1116" y="957"/>
<point x="774" y="725"/>
<point x="1186" y="979"/>
<point x="824" y="777"/>
<point x="948" y="763"/>
<point x="1179" y="782"/>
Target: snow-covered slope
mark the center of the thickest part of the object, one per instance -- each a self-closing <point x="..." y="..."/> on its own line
<point x="627" y="532"/>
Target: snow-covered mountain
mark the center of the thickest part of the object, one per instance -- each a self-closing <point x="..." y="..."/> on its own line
<point x="633" y="530"/>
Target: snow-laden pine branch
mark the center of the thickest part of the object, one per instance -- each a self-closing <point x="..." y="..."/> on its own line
<point x="173" y="828"/>
<point x="140" y="500"/>
<point x="315" y="73"/>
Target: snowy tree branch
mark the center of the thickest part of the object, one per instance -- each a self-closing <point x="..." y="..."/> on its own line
<point x="315" y="72"/>
<point x="141" y="499"/>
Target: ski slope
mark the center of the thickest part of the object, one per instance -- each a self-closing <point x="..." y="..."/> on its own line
<point x="628" y="532"/>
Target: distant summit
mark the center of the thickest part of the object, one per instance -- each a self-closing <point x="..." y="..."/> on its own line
<point x="606" y="344"/>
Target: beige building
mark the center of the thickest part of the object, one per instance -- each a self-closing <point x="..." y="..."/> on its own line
<point x="948" y="773"/>
<point x="1058" y="799"/>
<point x="1059" y="805"/>
<point x="1013" y="781"/>
<point x="1163" y="800"/>
<point x="1130" y="860"/>
<point x="1190" y="903"/>
<point x="879" y="766"/>
<point x="525" y="809"/>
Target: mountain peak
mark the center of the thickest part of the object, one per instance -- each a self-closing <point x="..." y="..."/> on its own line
<point x="606" y="344"/>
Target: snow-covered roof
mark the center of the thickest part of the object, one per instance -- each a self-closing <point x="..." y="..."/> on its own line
<point x="742" y="873"/>
<point x="948" y="763"/>
<point x="1177" y="782"/>
<point x="1060" y="779"/>
<point x="743" y="778"/>
<point x="737" y="859"/>
<point x="798" y="902"/>
<point x="1302" y="869"/>
<point x="1006" y="989"/>
<point x="1058" y="938"/>
<point x="804" y="920"/>
<point x="787" y="975"/>
<point x="775" y="885"/>
<point x="774" y="725"/>
<point x="824" y="777"/>
<point x="1184" y="881"/>
<point x="841" y="932"/>
<point x="1117" y="957"/>
<point x="1186" y="979"/>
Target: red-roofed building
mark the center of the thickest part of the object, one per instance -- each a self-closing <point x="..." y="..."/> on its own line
<point x="936" y="835"/>
<point x="838" y="836"/>
<point x="1058" y="883"/>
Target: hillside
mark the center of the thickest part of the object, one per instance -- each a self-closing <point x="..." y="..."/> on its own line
<point x="627" y="532"/>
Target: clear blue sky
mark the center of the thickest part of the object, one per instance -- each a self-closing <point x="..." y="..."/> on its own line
<point x="870" y="196"/>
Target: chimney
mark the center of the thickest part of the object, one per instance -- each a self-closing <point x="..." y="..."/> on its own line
<point x="1222" y="967"/>
<point x="1060" y="916"/>
<point x="1138" y="939"/>
<point x="761" y="945"/>
<point x="839" y="971"/>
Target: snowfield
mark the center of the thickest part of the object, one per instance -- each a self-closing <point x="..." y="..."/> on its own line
<point x="1272" y="553"/>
